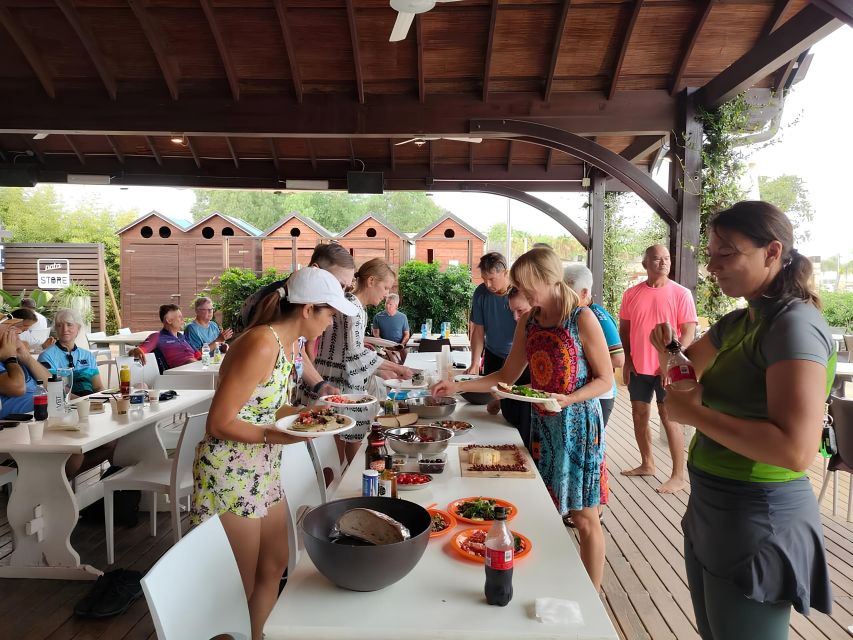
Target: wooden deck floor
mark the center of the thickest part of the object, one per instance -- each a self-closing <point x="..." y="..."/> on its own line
<point x="645" y="588"/>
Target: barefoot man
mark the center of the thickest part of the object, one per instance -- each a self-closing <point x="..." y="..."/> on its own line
<point x="656" y="300"/>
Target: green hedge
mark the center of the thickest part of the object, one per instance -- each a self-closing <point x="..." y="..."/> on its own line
<point x="234" y="286"/>
<point x="838" y="309"/>
<point x="427" y="292"/>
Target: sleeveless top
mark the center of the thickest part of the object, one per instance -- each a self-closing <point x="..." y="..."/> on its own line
<point x="271" y="395"/>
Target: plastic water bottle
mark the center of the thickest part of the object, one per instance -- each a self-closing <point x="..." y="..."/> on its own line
<point x="205" y="356"/>
<point x="423" y="331"/>
<point x="679" y="369"/>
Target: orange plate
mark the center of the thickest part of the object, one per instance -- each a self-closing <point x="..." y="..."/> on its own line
<point x="451" y="522"/>
<point x="513" y="510"/>
<point x="457" y="540"/>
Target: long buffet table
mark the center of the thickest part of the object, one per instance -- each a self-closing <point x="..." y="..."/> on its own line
<point x="443" y="595"/>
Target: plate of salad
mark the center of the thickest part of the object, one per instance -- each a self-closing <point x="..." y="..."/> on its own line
<point x="471" y="544"/>
<point x="479" y="509"/>
<point x="442" y="522"/>
<point x="322" y="421"/>
<point x="521" y="392"/>
<point x="348" y="400"/>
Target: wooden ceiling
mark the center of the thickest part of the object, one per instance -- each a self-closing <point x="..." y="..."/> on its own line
<point x="267" y="90"/>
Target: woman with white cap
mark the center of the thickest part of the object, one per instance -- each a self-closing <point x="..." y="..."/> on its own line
<point x="237" y="465"/>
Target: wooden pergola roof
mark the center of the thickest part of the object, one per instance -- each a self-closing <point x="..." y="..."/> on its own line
<point x="264" y="91"/>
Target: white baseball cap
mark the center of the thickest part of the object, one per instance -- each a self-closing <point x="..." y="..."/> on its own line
<point x="316" y="286"/>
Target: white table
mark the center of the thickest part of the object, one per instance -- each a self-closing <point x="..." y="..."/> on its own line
<point x="457" y="340"/>
<point x="844" y="369"/>
<point x="195" y="368"/>
<point x="428" y="361"/>
<point x="42" y="510"/>
<point x="123" y="340"/>
<point x="443" y="596"/>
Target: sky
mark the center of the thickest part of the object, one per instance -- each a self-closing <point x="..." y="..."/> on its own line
<point x="815" y="142"/>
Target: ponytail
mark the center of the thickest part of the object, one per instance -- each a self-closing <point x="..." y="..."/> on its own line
<point x="267" y="305"/>
<point x="568" y="299"/>
<point x="795" y="280"/>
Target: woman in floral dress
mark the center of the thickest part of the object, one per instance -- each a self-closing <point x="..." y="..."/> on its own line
<point x="237" y="465"/>
<point x="565" y="349"/>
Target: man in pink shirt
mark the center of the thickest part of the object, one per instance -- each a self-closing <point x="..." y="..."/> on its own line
<point x="645" y="305"/>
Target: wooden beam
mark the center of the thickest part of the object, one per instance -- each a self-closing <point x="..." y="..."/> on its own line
<point x="431" y="144"/>
<point x="150" y="141"/>
<point x="471" y="157"/>
<point x="509" y="158"/>
<point x="193" y="151"/>
<point x="549" y="161"/>
<point x="311" y="153"/>
<point x="392" y="154"/>
<point x="771" y="52"/>
<point x="356" y="52"/>
<point x="595" y="254"/>
<point x="420" y="45"/>
<point x="701" y="19"/>
<point x="116" y="149"/>
<point x="29" y="143"/>
<point x="641" y="147"/>
<point x="152" y="34"/>
<point x="584" y="149"/>
<point x="25" y="44"/>
<point x="841" y="9"/>
<point x="87" y="38"/>
<point x="555" y="49"/>
<point x="80" y="155"/>
<point x="233" y="152"/>
<point x="290" y="47"/>
<point x="687" y="189"/>
<point x="224" y="54"/>
<point x="623" y="51"/>
<point x="276" y="115"/>
<point x="274" y="155"/>
<point x="773" y="20"/>
<point x="351" y="153"/>
<point x="487" y="72"/>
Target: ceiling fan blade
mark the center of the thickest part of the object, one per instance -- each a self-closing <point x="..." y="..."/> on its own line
<point x="401" y="26"/>
<point x="460" y="139"/>
<point x="397" y="144"/>
<point x="448" y="0"/>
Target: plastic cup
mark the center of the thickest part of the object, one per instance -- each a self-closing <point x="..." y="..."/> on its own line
<point x="154" y="400"/>
<point x="123" y="406"/>
<point x="83" y="408"/>
<point x="36" y="429"/>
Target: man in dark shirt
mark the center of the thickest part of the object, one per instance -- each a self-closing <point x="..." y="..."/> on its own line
<point x="173" y="346"/>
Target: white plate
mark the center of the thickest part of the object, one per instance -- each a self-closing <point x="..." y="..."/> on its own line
<point x="381" y="342"/>
<point x="352" y="396"/>
<point x="462" y="377"/>
<point x="285" y="423"/>
<point x="404" y="384"/>
<point x="413" y="487"/>
<point x="513" y="396"/>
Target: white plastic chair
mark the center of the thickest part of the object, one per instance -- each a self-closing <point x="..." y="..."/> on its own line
<point x="195" y="589"/>
<point x="324" y="455"/>
<point x="302" y="493"/>
<point x="185" y="381"/>
<point x="124" y="331"/>
<point x="173" y="477"/>
<point x="103" y="355"/>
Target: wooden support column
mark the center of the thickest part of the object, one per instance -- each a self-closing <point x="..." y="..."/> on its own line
<point x="686" y="187"/>
<point x="595" y="255"/>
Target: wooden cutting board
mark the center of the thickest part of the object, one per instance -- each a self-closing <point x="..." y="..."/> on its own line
<point x="508" y="457"/>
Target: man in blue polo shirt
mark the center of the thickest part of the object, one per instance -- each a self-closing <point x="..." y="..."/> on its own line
<point x="492" y="324"/>
<point x="203" y="330"/>
<point x="169" y="341"/>
<point x="391" y="324"/>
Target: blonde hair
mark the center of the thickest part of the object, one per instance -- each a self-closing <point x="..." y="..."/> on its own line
<point x="541" y="267"/>
<point x="375" y="268"/>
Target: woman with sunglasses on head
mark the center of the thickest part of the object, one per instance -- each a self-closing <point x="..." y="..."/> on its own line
<point x="237" y="470"/>
<point x="753" y="542"/>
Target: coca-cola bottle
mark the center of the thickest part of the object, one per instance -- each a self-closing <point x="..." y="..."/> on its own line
<point x="500" y="549"/>
<point x="679" y="369"/>
<point x="40" y="401"/>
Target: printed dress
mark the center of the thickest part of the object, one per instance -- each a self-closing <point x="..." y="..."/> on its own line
<point x="571" y="443"/>
<point x="344" y="362"/>
<point x="242" y="477"/>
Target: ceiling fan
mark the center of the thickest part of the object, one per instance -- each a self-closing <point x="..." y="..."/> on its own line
<point x="422" y="140"/>
<point x="406" y="11"/>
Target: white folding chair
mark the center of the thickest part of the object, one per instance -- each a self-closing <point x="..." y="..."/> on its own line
<point x="124" y="331"/>
<point x="185" y="381"/>
<point x="195" y="589"/>
<point x="324" y="455"/>
<point x="302" y="493"/>
<point x="173" y="477"/>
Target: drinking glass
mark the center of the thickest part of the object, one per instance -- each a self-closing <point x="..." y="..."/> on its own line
<point x="429" y="326"/>
<point x="67" y="376"/>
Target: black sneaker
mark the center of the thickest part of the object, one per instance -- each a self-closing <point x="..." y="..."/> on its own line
<point x="83" y="608"/>
<point x="124" y="589"/>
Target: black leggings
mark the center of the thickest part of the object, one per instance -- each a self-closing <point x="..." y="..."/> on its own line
<point x="515" y="412"/>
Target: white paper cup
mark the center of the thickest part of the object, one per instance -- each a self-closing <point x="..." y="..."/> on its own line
<point x="123" y="406"/>
<point x="36" y="429"/>
<point x="83" y="408"/>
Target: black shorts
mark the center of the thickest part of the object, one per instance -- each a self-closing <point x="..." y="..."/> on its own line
<point x="641" y="388"/>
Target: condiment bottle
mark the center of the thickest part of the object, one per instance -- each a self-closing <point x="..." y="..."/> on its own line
<point x="679" y="369"/>
<point x="124" y="380"/>
<point x="374" y="456"/>
<point x="388" y="480"/>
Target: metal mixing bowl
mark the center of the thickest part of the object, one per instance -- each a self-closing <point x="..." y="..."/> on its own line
<point x="431" y="406"/>
<point x="440" y="437"/>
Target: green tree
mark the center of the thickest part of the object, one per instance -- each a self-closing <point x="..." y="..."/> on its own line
<point x="408" y="211"/>
<point x="617" y="246"/>
<point x="427" y="292"/>
<point x="566" y="246"/>
<point x="789" y="193"/>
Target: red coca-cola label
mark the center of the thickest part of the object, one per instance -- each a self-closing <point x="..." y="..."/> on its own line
<point x="40" y="400"/>
<point x="681" y="372"/>
<point x="499" y="558"/>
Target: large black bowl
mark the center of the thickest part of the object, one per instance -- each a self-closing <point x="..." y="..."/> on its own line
<point x="372" y="567"/>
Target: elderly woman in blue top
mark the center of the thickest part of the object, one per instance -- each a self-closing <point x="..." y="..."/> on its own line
<point x="203" y="330"/>
<point x="65" y="354"/>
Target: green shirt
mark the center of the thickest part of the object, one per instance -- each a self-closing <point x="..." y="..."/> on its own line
<point x="735" y="382"/>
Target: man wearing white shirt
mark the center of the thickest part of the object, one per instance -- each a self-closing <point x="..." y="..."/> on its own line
<point x="38" y="334"/>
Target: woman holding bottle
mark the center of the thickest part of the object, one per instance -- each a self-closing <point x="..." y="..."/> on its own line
<point x="765" y="374"/>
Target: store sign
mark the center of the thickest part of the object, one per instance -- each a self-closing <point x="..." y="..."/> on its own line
<point x="53" y="274"/>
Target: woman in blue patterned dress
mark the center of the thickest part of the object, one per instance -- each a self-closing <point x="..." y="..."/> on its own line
<point x="565" y="349"/>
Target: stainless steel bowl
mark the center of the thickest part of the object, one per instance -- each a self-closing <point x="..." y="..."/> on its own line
<point x="439" y="435"/>
<point x="431" y="406"/>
